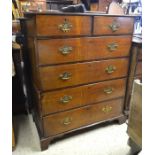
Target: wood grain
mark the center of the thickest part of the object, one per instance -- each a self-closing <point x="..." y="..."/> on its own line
<point x="101" y="25"/>
<point x="82" y="49"/>
<point x="82" y="73"/>
<point x="48" y="25"/>
<point x="83" y="95"/>
<point x="54" y="124"/>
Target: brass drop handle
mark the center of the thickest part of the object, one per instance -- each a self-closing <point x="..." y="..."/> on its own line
<point x="112" y="46"/>
<point x="107" y="109"/>
<point x="65" y="99"/>
<point x="65" y="76"/>
<point x="110" y="69"/>
<point x="114" y="26"/>
<point x="65" y="26"/>
<point x="65" y="50"/>
<point x="108" y="90"/>
<point x="67" y="120"/>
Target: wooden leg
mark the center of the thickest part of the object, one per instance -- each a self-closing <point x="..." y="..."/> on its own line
<point x="122" y="119"/>
<point x="44" y="144"/>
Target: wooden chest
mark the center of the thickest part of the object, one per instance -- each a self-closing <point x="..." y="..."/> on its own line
<point x="80" y="65"/>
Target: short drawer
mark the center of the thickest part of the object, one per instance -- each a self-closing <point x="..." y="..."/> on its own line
<point x="53" y="77"/>
<point x="65" y="121"/>
<point x="55" y="51"/>
<point x="63" y="25"/>
<point x="139" y="68"/>
<point x="113" y="25"/>
<point x="66" y="99"/>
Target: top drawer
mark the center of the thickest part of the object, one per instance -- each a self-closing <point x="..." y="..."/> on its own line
<point x="113" y="25"/>
<point x="63" y="25"/>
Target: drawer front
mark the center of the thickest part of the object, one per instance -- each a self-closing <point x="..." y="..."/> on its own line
<point x="139" y="68"/>
<point x="61" y="100"/>
<point x="63" y="25"/>
<point x="61" y="76"/>
<point x="65" y="121"/>
<point x="54" y="51"/>
<point x="113" y="25"/>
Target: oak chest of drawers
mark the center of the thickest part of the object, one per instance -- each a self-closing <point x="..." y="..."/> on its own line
<point x="80" y="65"/>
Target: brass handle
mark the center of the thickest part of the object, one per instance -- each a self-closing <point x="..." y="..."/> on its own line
<point x="112" y="46"/>
<point x="65" y="50"/>
<point x="65" y="26"/>
<point x="114" y="26"/>
<point x="65" y="99"/>
<point x="107" y="109"/>
<point x="67" y="120"/>
<point x="108" y="90"/>
<point x="65" y="76"/>
<point x="110" y="69"/>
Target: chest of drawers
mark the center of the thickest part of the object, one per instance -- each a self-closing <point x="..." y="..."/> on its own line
<point x="80" y="65"/>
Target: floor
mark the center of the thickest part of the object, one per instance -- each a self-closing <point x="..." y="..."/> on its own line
<point x="109" y="139"/>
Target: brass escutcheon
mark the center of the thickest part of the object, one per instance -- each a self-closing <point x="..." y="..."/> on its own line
<point x="65" y="50"/>
<point x="65" y="26"/>
<point x="67" y="120"/>
<point x="110" y="69"/>
<point x="108" y="90"/>
<point x="107" y="109"/>
<point x="65" y="76"/>
<point x="112" y="46"/>
<point x="65" y="99"/>
<point x="114" y="26"/>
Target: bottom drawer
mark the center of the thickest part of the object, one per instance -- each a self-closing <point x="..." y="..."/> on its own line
<point x="65" y="121"/>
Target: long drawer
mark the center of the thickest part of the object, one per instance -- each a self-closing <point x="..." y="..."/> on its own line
<point x="63" y="25"/>
<point x="55" y="51"/>
<point x="65" y="121"/>
<point x="61" y="76"/>
<point x="66" y="99"/>
<point x="113" y="25"/>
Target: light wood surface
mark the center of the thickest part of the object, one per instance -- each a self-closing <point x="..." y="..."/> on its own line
<point x="135" y="116"/>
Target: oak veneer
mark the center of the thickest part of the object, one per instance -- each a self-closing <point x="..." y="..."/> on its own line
<point x="49" y="25"/>
<point x="102" y="25"/>
<point x="61" y="122"/>
<point x="82" y="73"/>
<point x="82" y="49"/>
<point x="80" y="65"/>
<point x="88" y="94"/>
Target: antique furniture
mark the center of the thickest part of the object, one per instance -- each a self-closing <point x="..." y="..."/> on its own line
<point x="80" y="65"/>
<point x="135" y="67"/>
<point x="134" y="129"/>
